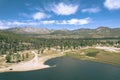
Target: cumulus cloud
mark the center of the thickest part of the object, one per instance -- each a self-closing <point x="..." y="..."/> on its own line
<point x="112" y="4"/>
<point x="39" y="16"/>
<point x="91" y="10"/>
<point x="64" y="9"/>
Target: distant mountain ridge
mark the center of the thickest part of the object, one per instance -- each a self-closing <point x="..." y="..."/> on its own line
<point x="100" y="32"/>
<point x="29" y="30"/>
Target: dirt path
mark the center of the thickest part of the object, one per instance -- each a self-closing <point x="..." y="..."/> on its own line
<point x="34" y="61"/>
<point x="111" y="49"/>
<point x="34" y="64"/>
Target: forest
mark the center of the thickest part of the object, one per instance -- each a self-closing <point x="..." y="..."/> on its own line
<point x="11" y="43"/>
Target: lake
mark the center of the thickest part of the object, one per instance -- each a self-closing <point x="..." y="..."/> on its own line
<point x="68" y="69"/>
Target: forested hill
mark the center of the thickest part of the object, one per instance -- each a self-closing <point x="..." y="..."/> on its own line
<point x="11" y="42"/>
<point x="100" y="32"/>
<point x="9" y="35"/>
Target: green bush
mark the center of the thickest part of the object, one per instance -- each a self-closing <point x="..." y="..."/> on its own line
<point x="91" y="52"/>
<point x="8" y="58"/>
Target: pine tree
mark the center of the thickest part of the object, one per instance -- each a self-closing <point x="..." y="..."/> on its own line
<point x="8" y="58"/>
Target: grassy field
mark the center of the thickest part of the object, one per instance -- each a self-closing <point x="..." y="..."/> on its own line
<point x="97" y="55"/>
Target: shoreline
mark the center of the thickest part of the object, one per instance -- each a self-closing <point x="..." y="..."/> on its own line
<point x="35" y="64"/>
<point x="111" y="56"/>
<point x="38" y="62"/>
<point x="110" y="49"/>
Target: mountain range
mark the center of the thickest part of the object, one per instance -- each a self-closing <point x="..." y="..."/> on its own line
<point x="100" y="32"/>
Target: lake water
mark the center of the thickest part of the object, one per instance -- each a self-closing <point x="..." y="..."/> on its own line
<point x="68" y="69"/>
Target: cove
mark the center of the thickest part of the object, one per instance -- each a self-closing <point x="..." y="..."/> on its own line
<point x="68" y="69"/>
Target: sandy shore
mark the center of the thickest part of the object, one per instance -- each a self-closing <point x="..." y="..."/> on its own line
<point x="38" y="62"/>
<point x="34" y="64"/>
<point x="111" y="49"/>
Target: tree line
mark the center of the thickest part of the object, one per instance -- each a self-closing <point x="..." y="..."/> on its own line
<point x="11" y="43"/>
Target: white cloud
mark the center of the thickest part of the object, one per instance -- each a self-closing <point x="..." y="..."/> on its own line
<point x="2" y="26"/>
<point x="5" y="24"/>
<point x="16" y="23"/>
<point x="79" y="21"/>
<point x="8" y="24"/>
<point x="91" y="10"/>
<point x="112" y="4"/>
<point x="20" y="23"/>
<point x="48" y="22"/>
<point x="39" y="16"/>
<point x="75" y="21"/>
<point x="68" y="22"/>
<point x="64" y="9"/>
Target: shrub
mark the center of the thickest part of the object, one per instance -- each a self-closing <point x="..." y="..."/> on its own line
<point x="91" y="52"/>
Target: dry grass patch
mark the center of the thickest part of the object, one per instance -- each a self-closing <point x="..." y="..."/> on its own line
<point x="97" y="55"/>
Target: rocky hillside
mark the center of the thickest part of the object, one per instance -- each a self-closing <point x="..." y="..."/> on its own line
<point x="100" y="32"/>
<point x="30" y="30"/>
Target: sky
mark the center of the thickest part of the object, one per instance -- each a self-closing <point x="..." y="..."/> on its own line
<point x="59" y="14"/>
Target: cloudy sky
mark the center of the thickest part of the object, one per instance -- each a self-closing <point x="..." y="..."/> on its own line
<point x="59" y="14"/>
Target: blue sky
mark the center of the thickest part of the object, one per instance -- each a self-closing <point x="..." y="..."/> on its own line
<point x="59" y="14"/>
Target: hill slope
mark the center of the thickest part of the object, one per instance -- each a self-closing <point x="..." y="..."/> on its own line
<point x="30" y="30"/>
<point x="100" y="32"/>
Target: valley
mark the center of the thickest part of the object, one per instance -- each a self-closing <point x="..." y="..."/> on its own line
<point x="18" y="50"/>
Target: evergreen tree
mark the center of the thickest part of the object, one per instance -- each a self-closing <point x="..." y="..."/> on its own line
<point x="8" y="58"/>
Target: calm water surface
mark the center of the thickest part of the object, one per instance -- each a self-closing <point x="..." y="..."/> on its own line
<point x="68" y="69"/>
